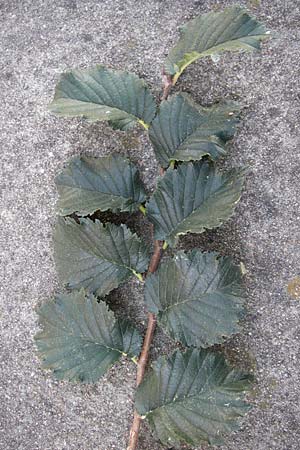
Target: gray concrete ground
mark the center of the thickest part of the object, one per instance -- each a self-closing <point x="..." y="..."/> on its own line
<point x="39" y="40"/>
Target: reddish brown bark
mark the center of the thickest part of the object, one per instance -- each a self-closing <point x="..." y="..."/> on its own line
<point x="144" y="356"/>
<point x="143" y="360"/>
<point x="167" y="80"/>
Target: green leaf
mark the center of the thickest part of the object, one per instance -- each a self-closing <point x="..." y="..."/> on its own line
<point x="192" y="198"/>
<point x="89" y="184"/>
<point x="209" y="34"/>
<point x="95" y="256"/>
<point x="184" y="131"/>
<point x="197" y="298"/>
<point x="81" y="339"/>
<point x="104" y="94"/>
<point x="193" y="397"/>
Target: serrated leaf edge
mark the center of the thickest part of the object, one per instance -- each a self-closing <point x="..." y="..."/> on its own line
<point x="172" y="238"/>
<point x="217" y="48"/>
<point x="56" y="97"/>
<point x="165" y="358"/>
<point x="82" y="213"/>
<point x="105" y="225"/>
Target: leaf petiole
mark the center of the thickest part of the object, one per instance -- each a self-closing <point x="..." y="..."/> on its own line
<point x="144" y="124"/>
<point x="135" y="360"/>
<point x="165" y="245"/>
<point x="139" y="276"/>
<point x="142" y="209"/>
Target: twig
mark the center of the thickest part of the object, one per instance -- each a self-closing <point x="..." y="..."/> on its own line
<point x="142" y="363"/>
<point x="153" y="265"/>
<point x="167" y="80"/>
<point x="155" y="259"/>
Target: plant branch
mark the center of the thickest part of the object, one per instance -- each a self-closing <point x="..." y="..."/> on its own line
<point x="142" y="363"/>
<point x="167" y="85"/>
<point x="155" y="259"/>
<point x="159" y="246"/>
<point x="143" y="359"/>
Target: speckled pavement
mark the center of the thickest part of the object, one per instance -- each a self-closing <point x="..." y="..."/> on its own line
<point x="39" y="40"/>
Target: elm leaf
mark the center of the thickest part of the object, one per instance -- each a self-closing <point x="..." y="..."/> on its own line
<point x="100" y="93"/>
<point x="192" y="198"/>
<point x="97" y="257"/>
<point x="184" y="131"/>
<point x="192" y="398"/>
<point x="89" y="184"/>
<point x="213" y="33"/>
<point x="197" y="297"/>
<point x="81" y="338"/>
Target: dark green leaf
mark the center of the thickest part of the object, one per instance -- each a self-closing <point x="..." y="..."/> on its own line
<point x="184" y="131"/>
<point x="104" y="94"/>
<point x="193" y="397"/>
<point x="193" y="198"/>
<point x="197" y="298"/>
<point x="81" y="339"/>
<point x="89" y="184"/>
<point x="95" y="256"/>
<point x="209" y="34"/>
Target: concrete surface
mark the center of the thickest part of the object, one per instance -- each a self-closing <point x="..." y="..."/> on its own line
<point x="39" y="40"/>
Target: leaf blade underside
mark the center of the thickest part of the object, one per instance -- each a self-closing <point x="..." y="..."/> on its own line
<point x="193" y="397"/>
<point x="101" y="93"/>
<point x="192" y="198"/>
<point x="97" y="257"/>
<point x="184" y="131"/>
<point x="215" y="32"/>
<point x="89" y="184"/>
<point x="197" y="298"/>
<point x="81" y="339"/>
